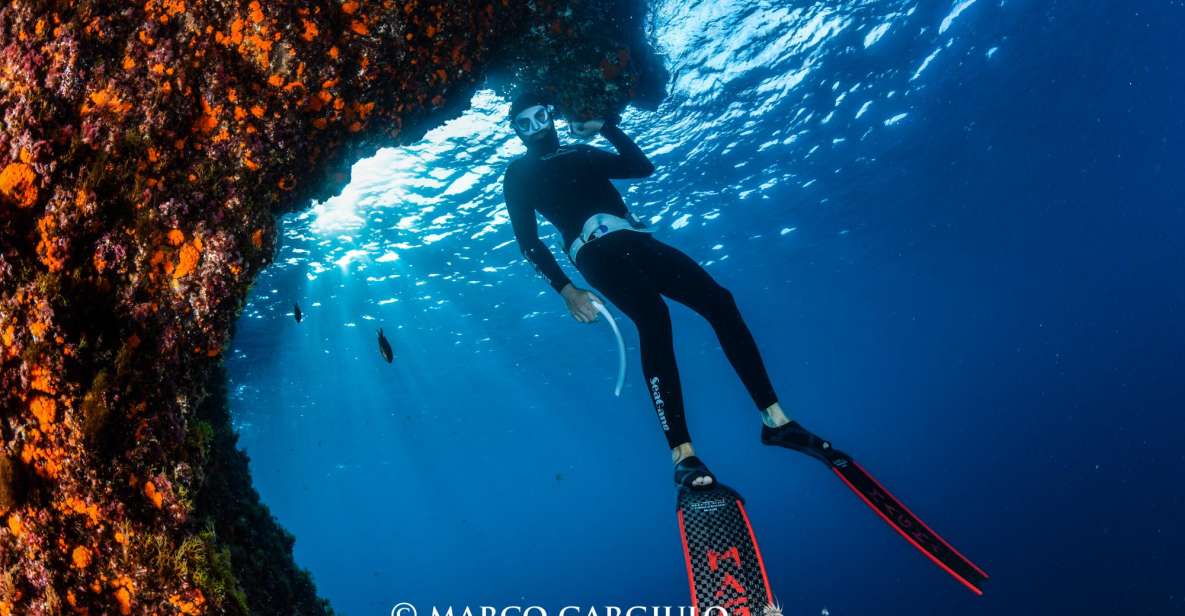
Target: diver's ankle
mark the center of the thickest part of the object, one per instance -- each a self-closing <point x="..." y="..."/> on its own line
<point x="774" y="416"/>
<point x="682" y="452"/>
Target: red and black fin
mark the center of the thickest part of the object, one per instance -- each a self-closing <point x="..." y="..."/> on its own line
<point x="908" y="525"/>
<point x="724" y="565"/>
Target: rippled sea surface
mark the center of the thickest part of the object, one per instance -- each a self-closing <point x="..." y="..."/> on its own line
<point x="956" y="231"/>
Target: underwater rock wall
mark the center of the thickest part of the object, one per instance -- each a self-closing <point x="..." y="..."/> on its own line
<point x="146" y="152"/>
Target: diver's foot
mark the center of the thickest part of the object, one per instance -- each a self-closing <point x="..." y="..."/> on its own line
<point x="793" y="436"/>
<point x="692" y="473"/>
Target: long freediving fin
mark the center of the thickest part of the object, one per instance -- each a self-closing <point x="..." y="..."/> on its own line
<point x="795" y="437"/>
<point x="908" y="525"/>
<point x="724" y="565"/>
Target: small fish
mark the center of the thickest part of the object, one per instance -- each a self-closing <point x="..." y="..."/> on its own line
<point x="559" y="476"/>
<point x="385" y="347"/>
<point x="296" y="312"/>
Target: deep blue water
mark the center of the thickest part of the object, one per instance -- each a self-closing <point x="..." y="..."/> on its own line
<point x="957" y="231"/>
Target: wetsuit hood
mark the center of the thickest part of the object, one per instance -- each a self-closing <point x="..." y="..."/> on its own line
<point x="540" y="143"/>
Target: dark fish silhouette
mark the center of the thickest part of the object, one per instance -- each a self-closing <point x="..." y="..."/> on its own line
<point x="296" y="312"/>
<point x="385" y="347"/>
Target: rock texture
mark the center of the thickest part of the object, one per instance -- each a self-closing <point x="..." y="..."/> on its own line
<point x="147" y="149"/>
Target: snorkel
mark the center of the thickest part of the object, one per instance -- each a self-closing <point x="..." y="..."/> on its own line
<point x="620" y="345"/>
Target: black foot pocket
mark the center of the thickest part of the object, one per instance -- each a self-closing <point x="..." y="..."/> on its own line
<point x="691" y="469"/>
<point x="794" y="436"/>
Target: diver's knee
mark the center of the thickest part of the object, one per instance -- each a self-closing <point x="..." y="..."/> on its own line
<point x="651" y="313"/>
<point x="653" y="322"/>
<point x="721" y="301"/>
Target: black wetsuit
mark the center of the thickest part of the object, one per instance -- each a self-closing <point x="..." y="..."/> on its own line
<point x="631" y="269"/>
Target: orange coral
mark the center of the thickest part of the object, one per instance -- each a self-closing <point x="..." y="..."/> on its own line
<point x="16" y="526"/>
<point x="106" y="99"/>
<point x="310" y="30"/>
<point x="81" y="507"/>
<point x="188" y="259"/>
<point x="81" y="557"/>
<point x="255" y="12"/>
<point x="192" y="602"/>
<point x="17" y="183"/>
<point x="45" y="410"/>
<point x="173" y="7"/>
<point x="156" y="497"/>
<point x="41" y="380"/>
<point x="47" y="462"/>
<point x="209" y="118"/>
<point x="123" y="595"/>
<point x="49" y="251"/>
<point x="81" y="198"/>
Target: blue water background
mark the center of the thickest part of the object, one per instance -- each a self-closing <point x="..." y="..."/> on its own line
<point x="956" y="229"/>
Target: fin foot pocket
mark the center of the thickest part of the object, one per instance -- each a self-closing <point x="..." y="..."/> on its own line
<point x="793" y="436"/>
<point x="693" y="474"/>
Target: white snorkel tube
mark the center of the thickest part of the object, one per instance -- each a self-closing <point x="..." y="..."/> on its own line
<point x="620" y="345"/>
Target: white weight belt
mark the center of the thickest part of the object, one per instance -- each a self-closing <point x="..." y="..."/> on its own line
<point x="600" y="225"/>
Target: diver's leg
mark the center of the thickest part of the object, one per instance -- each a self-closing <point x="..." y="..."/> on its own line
<point x="679" y="277"/>
<point x="633" y="293"/>
<point x="608" y="266"/>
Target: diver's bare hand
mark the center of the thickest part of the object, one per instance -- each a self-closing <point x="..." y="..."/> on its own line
<point x="587" y="128"/>
<point x="580" y="303"/>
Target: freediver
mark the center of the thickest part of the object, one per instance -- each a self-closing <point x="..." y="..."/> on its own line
<point x="569" y="186"/>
